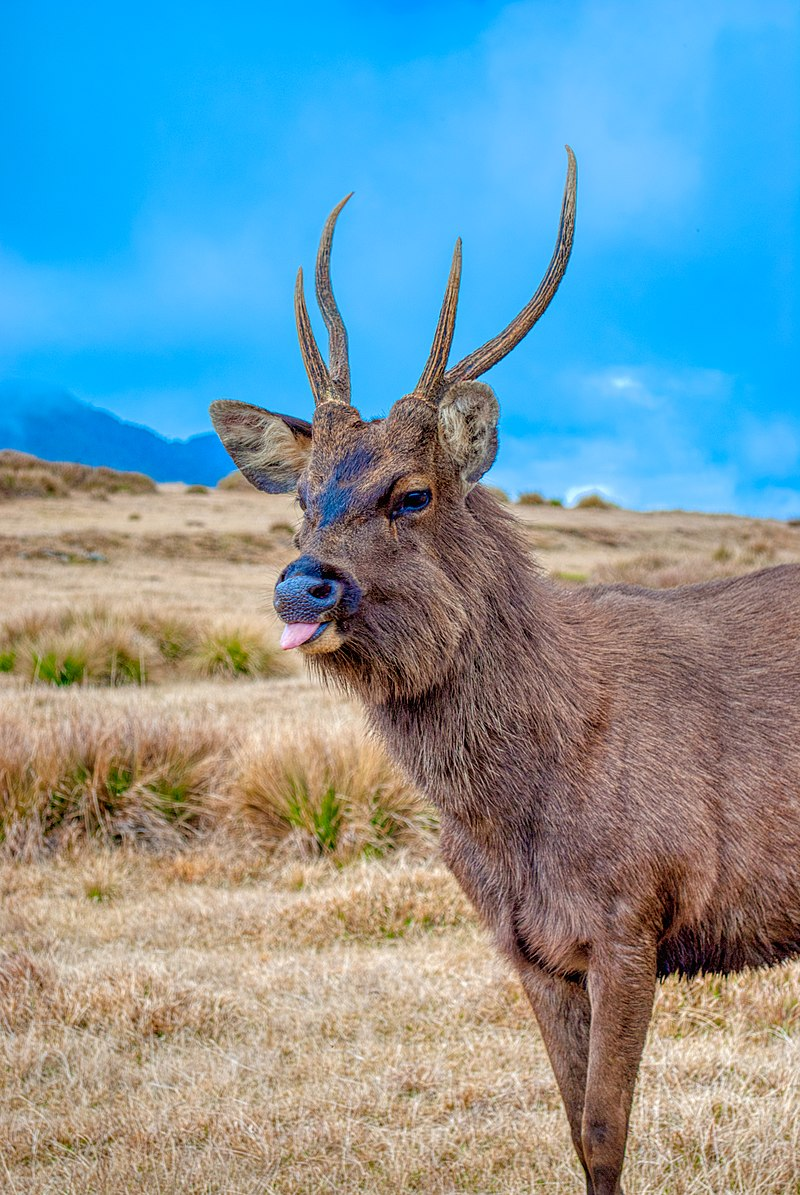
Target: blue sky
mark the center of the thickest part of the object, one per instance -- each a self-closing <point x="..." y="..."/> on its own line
<point x="166" y="168"/>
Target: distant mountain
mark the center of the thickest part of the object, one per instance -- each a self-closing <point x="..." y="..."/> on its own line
<point x="56" y="426"/>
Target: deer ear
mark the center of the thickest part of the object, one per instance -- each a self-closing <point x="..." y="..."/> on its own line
<point x="468" y="414"/>
<point x="271" y="450"/>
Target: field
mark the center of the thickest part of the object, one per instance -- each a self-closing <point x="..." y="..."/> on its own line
<point x="230" y="960"/>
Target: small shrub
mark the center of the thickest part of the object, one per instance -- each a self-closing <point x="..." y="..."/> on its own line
<point x="235" y="481"/>
<point x="533" y="498"/>
<point x="196" y="489"/>
<point x="7" y="661"/>
<point x="336" y="796"/>
<point x="594" y="502"/>
<point x="499" y="494"/>
<point x="234" y="653"/>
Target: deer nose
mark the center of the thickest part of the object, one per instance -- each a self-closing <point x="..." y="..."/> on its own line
<point x="306" y="596"/>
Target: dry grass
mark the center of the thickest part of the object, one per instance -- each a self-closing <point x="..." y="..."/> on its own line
<point x="24" y="476"/>
<point x="355" y="1034"/>
<point x="659" y="571"/>
<point x="328" y="793"/>
<point x="229" y="959"/>
<point x="160" y="780"/>
<point x="102" y="646"/>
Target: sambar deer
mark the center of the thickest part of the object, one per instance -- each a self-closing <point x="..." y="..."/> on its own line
<point x="617" y="769"/>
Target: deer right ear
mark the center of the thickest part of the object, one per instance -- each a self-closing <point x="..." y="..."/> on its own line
<point x="468" y="414"/>
<point x="270" y="450"/>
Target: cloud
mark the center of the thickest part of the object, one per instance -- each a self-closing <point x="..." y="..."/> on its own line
<point x="770" y="447"/>
<point x="174" y="284"/>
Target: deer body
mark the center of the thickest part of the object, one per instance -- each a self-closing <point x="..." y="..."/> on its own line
<point x="617" y="769"/>
<point x="651" y="762"/>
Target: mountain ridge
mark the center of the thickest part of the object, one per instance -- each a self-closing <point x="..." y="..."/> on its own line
<point x="53" y="424"/>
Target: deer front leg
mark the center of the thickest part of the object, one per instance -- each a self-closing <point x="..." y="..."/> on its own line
<point x="563" y="1012"/>
<point x="621" y="990"/>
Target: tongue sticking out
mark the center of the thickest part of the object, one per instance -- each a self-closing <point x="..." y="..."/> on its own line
<point x="295" y="633"/>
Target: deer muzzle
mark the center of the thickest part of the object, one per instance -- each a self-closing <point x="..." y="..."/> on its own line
<point x="310" y="597"/>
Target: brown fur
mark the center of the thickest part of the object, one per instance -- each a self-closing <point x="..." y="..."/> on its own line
<point x="617" y="769"/>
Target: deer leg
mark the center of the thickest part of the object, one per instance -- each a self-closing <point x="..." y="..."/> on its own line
<point x="563" y="1012"/>
<point x="621" y="991"/>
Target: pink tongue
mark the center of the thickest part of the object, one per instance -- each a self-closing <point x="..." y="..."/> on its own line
<point x="295" y="633"/>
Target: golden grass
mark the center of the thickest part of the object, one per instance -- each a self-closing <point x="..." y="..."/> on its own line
<point x="268" y="1037"/>
<point x="160" y="779"/>
<point x="25" y="476"/>
<point x="229" y="958"/>
<point x="327" y="793"/>
<point x="103" y="646"/>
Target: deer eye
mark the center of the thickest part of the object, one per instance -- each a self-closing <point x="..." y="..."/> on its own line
<point x="411" y="502"/>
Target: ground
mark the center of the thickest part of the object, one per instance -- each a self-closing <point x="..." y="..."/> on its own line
<point x="205" y="996"/>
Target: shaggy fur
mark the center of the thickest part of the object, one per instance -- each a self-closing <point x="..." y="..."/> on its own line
<point x="617" y="769"/>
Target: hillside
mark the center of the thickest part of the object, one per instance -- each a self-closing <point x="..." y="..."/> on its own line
<point x="230" y="957"/>
<point x="56" y="426"/>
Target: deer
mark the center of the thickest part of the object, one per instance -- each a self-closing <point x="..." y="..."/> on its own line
<point x="616" y="769"/>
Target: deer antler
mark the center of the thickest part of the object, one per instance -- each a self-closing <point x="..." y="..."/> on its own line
<point x="430" y="383"/>
<point x="436" y="376"/>
<point x="494" y="350"/>
<point x="327" y="385"/>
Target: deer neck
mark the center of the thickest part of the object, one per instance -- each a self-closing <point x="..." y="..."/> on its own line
<point x="518" y="699"/>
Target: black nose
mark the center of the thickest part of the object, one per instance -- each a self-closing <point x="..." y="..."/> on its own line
<point x="306" y="596"/>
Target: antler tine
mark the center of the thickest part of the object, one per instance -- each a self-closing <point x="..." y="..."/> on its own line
<point x="494" y="350"/>
<point x="430" y="383"/>
<point x="339" y="375"/>
<point x="317" y="370"/>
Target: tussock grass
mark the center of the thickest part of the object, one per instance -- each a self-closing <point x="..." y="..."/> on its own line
<point x="332" y="794"/>
<point x="101" y="646"/>
<point x="114" y="778"/>
<point x="230" y="652"/>
<point x="25" y="476"/>
<point x="237" y="482"/>
<point x="595" y="502"/>
<point x="160" y="781"/>
<point x="534" y="498"/>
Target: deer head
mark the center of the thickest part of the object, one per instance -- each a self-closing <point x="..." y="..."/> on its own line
<point x="386" y="584"/>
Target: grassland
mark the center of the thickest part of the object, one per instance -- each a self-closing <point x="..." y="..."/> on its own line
<point x="230" y="960"/>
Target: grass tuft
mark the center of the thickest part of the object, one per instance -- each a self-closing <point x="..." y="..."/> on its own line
<point x="102" y="647"/>
<point x="595" y="502"/>
<point x="336" y="796"/>
<point x="25" y="476"/>
<point x="230" y="652"/>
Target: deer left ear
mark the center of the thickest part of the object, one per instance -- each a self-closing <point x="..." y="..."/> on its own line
<point x="468" y="414"/>
<point x="271" y="450"/>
